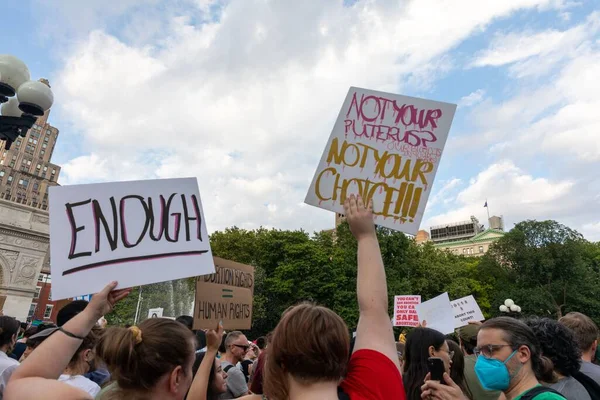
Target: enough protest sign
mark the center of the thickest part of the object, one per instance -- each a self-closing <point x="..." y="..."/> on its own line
<point x="384" y="147"/>
<point x="136" y="232"/>
<point x="225" y="296"/>
<point x="404" y="310"/>
<point x="466" y="309"/>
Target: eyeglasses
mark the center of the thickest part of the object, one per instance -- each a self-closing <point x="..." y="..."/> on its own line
<point x="451" y="354"/>
<point x="241" y="346"/>
<point x="488" y="350"/>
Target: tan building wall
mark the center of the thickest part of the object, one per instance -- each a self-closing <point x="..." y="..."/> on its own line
<point x="476" y="246"/>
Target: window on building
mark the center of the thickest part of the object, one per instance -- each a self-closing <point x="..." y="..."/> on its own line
<point x="49" y="295"/>
<point x="44" y="145"/>
<point x="12" y="164"/>
<point x="1" y="173"/>
<point x="37" y="292"/>
<point x="48" y="311"/>
<point x="32" y="308"/>
<point x="47" y="131"/>
<point x="464" y="251"/>
<point x="34" y="141"/>
<point x="40" y="277"/>
<point x="23" y="182"/>
<point x="10" y="179"/>
<point x="36" y="186"/>
<point x="42" y="152"/>
<point x="46" y="139"/>
<point x="481" y="249"/>
<point x="14" y="157"/>
<point x="30" y="140"/>
<point x="45" y="169"/>
<point x="53" y="172"/>
<point x="38" y="167"/>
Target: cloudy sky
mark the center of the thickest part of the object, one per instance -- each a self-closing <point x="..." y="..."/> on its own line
<point x="243" y="94"/>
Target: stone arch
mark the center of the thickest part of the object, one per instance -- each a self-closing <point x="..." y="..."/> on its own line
<point x="4" y="265"/>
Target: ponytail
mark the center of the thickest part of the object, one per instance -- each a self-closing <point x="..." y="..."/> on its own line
<point x="138" y="356"/>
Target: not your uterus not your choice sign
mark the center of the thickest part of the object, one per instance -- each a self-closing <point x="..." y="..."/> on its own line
<point x="136" y="232"/>
<point x="384" y="147"/>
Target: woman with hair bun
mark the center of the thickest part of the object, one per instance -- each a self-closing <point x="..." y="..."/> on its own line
<point x="151" y="361"/>
<point x="509" y="359"/>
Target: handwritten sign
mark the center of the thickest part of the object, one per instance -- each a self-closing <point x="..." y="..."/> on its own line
<point x="225" y="296"/>
<point x="384" y="147"/>
<point x="155" y="312"/>
<point x="466" y="309"/>
<point x="136" y="232"/>
<point x="437" y="313"/>
<point x="405" y="313"/>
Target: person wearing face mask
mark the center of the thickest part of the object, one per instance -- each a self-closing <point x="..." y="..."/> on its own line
<point x="508" y="359"/>
<point x="9" y="329"/>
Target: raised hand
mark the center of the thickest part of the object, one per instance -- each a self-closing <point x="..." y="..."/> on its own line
<point x="104" y="301"/>
<point x="214" y="338"/>
<point x="360" y="217"/>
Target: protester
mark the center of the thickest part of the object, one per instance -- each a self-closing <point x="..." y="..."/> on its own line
<point x="36" y="339"/>
<point x="9" y="329"/>
<point x="509" y="359"/>
<point x="210" y="379"/>
<point x="236" y="347"/>
<point x="467" y="337"/>
<point x="21" y="345"/>
<point x="97" y="372"/>
<point x="309" y="352"/>
<point x="422" y="343"/>
<point x="586" y="335"/>
<point x="37" y="376"/>
<point x="81" y="363"/>
<point x="558" y="344"/>
<point x="152" y="360"/>
<point x="186" y="320"/>
<point x="457" y="369"/>
<point x="248" y="360"/>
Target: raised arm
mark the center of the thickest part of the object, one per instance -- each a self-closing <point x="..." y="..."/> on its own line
<point x="50" y="359"/>
<point x="374" y="326"/>
<point x="199" y="388"/>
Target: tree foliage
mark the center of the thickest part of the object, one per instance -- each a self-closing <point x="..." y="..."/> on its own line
<point x="547" y="268"/>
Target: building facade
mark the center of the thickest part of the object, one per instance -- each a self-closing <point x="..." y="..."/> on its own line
<point x="26" y="172"/>
<point x="468" y="238"/>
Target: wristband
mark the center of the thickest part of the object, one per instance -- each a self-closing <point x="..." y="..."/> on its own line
<point x="74" y="336"/>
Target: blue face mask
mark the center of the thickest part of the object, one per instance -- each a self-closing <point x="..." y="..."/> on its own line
<point x="493" y="373"/>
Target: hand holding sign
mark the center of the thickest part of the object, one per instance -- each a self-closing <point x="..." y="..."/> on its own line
<point x="104" y="301"/>
<point x="214" y="338"/>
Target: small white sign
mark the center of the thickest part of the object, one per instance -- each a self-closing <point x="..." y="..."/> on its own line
<point x="155" y="313"/>
<point x="405" y="313"/>
<point x="437" y="313"/>
<point x="137" y="233"/>
<point x="466" y="309"/>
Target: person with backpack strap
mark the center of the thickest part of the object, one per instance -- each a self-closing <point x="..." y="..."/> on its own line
<point x="508" y="359"/>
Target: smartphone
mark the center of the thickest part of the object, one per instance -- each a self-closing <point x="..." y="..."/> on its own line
<point x="436" y="368"/>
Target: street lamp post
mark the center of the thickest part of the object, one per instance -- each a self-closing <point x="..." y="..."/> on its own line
<point x="510" y="309"/>
<point x="22" y="99"/>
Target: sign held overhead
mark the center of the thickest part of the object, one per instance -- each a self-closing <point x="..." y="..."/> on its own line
<point x="137" y="233"/>
<point x="384" y="147"/>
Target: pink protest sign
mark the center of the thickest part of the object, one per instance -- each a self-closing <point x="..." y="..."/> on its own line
<point x="404" y="310"/>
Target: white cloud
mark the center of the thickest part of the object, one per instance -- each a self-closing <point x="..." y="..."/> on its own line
<point x="511" y="192"/>
<point x="246" y="103"/>
<point x="472" y="98"/>
<point x="535" y="53"/>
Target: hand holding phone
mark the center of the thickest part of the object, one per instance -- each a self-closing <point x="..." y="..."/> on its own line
<point x="436" y="368"/>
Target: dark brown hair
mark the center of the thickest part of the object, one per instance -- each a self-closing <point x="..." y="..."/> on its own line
<point x="457" y="371"/>
<point x="517" y="334"/>
<point x="585" y="330"/>
<point x="89" y="342"/>
<point x="137" y="367"/>
<point x="9" y="327"/>
<point x="310" y="343"/>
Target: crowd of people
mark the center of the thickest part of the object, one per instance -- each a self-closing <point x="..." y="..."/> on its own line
<point x="309" y="355"/>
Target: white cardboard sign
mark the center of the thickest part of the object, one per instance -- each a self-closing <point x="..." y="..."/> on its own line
<point x="437" y="314"/>
<point x="466" y="309"/>
<point x="405" y="313"/>
<point x="137" y="233"/>
<point x="155" y="313"/>
<point x="384" y="147"/>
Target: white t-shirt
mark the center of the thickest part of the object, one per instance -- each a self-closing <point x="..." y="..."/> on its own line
<point x="7" y="367"/>
<point x="81" y="382"/>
